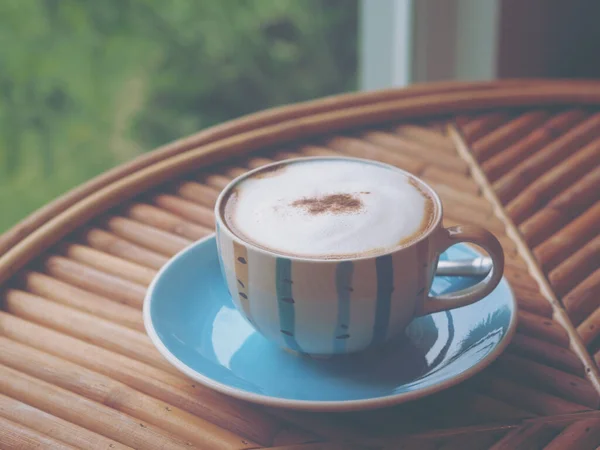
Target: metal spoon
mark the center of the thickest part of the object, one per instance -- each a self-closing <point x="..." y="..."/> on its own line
<point x="465" y="267"/>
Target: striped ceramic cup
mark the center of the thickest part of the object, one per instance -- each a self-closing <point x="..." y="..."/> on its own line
<point x="334" y="306"/>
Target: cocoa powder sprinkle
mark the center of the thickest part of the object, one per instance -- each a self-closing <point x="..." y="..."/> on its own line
<point x="332" y="203"/>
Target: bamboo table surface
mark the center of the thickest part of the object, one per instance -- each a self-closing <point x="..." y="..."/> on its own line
<point x="520" y="157"/>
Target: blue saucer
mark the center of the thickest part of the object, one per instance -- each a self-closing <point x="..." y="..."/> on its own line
<point x="193" y="323"/>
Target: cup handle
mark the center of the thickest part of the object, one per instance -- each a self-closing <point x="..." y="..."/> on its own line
<point x="485" y="239"/>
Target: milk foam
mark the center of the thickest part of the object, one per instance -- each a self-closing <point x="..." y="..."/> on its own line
<point x="329" y="209"/>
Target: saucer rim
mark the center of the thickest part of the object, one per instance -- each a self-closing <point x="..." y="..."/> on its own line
<point x="314" y="405"/>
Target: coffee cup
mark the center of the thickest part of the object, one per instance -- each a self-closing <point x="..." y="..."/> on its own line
<point x="335" y="255"/>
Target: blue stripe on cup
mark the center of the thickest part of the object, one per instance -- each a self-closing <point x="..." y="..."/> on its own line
<point x="385" y="286"/>
<point x="285" y="302"/>
<point x="343" y="284"/>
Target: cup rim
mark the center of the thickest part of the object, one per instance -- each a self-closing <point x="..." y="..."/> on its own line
<point x="223" y="227"/>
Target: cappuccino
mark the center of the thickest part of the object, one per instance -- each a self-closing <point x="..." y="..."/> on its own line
<point x="329" y="208"/>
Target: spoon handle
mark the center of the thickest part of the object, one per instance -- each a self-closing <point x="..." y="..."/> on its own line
<point x="465" y="267"/>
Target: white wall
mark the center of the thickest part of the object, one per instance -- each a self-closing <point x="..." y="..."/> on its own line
<point x="409" y="41"/>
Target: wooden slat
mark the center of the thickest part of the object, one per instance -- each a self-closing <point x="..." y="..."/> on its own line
<point x="108" y="263"/>
<point x="523" y="396"/>
<point x="188" y="210"/>
<point x="234" y="172"/>
<point x="96" y="281"/>
<point x="581" y="435"/>
<point x="166" y="221"/>
<point x="584" y="299"/>
<point x="458" y="215"/>
<point x="69" y="295"/>
<point x="544" y="188"/>
<point x="543" y="328"/>
<point x="566" y="241"/>
<point x="562" y="209"/>
<point x="514" y="181"/>
<point x="570" y="387"/>
<point x="471" y="441"/>
<point x="84" y="326"/>
<point x="310" y="150"/>
<point x="418" y="152"/>
<point x="540" y="137"/>
<point x="362" y="149"/>
<point x="461" y="407"/>
<point x="198" y="193"/>
<point x="331" y="427"/>
<point x="589" y="329"/>
<point x="473" y="201"/>
<point x="86" y="413"/>
<point x="16" y="436"/>
<point x="109" y="243"/>
<point x="50" y="425"/>
<point x="576" y="268"/>
<point x="505" y="135"/>
<point x="526" y="438"/>
<point x="216" y="181"/>
<point x="148" y="237"/>
<point x="322" y="446"/>
<point x="425" y="136"/>
<point x="532" y="301"/>
<point x="438" y="176"/>
<point x="171" y="388"/>
<point x="523" y="280"/>
<point x="484" y="123"/>
<point x="254" y="162"/>
<point x="118" y="396"/>
<point x="547" y="353"/>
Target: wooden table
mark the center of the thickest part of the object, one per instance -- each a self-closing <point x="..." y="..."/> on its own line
<point x="520" y="157"/>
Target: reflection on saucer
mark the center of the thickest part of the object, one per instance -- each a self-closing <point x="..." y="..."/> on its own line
<point x="238" y="331"/>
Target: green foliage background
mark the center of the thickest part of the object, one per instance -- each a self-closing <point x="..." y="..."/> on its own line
<point x="88" y="84"/>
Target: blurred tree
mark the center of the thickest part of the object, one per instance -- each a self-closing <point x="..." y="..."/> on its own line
<point x="87" y="84"/>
